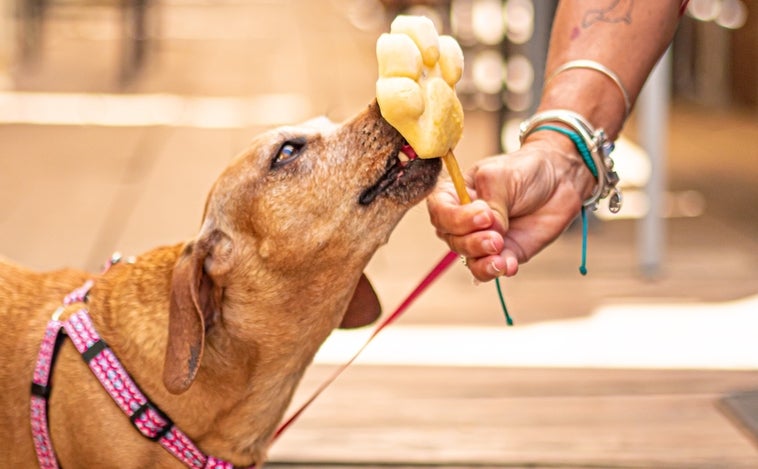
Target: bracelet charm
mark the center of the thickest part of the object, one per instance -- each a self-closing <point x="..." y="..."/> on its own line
<point x="612" y="178"/>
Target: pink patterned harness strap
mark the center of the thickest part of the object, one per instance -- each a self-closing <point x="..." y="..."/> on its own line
<point x="144" y="415"/>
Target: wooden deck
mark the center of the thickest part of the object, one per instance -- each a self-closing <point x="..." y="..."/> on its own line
<point x="497" y="417"/>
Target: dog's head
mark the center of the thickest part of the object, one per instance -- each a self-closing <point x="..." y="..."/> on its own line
<point x="288" y="228"/>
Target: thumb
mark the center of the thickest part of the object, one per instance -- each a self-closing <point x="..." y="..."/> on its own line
<point x="490" y="193"/>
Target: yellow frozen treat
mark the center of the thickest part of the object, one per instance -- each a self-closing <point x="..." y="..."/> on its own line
<point x="418" y="71"/>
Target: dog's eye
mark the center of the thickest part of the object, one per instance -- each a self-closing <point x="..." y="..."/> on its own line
<point x="287" y="153"/>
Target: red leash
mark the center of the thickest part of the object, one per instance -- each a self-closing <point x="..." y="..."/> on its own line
<point x="441" y="266"/>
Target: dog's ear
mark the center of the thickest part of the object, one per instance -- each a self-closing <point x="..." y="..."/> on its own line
<point x="364" y="307"/>
<point x="194" y="305"/>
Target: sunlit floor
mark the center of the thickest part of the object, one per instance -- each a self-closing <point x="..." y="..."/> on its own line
<point x="704" y="336"/>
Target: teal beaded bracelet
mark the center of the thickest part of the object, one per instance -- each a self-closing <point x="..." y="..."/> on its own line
<point x="597" y="144"/>
<point x="581" y="147"/>
<point x="578" y="143"/>
<point x="594" y="149"/>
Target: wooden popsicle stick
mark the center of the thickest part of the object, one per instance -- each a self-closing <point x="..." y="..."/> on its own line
<point x="455" y="173"/>
<point x="460" y="188"/>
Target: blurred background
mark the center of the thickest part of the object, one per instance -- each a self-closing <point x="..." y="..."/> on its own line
<point x="116" y="117"/>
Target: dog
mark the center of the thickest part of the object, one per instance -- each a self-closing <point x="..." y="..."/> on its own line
<point x="217" y="331"/>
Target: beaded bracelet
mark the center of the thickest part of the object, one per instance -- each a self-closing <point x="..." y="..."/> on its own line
<point x="578" y="143"/>
<point x="599" y="146"/>
<point x="594" y="148"/>
<point x="587" y="157"/>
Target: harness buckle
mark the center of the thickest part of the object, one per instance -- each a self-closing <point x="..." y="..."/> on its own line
<point x="151" y="422"/>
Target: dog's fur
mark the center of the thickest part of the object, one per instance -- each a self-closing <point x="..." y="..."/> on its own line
<point x="217" y="331"/>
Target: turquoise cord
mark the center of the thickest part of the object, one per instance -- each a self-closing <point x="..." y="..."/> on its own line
<point x="581" y="147"/>
<point x="508" y="319"/>
<point x="583" y="266"/>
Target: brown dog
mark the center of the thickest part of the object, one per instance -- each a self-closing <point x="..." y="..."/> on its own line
<point x="218" y="331"/>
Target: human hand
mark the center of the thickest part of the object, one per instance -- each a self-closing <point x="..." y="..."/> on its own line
<point x="521" y="203"/>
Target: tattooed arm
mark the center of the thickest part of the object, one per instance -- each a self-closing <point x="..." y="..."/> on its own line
<point x="523" y="201"/>
<point x="627" y="36"/>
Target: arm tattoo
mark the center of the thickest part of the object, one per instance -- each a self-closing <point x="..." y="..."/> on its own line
<point x="619" y="11"/>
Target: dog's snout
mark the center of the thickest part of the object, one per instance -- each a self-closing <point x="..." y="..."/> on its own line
<point x="372" y="122"/>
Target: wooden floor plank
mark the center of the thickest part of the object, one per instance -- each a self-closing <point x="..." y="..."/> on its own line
<point x="461" y="417"/>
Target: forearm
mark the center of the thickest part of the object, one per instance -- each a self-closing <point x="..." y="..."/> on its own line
<point x="532" y="194"/>
<point x="626" y="36"/>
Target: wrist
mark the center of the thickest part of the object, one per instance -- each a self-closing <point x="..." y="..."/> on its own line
<point x="565" y="159"/>
<point x="589" y="94"/>
<point x="592" y="144"/>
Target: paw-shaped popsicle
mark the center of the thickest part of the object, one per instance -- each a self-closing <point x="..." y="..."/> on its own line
<point x="418" y="71"/>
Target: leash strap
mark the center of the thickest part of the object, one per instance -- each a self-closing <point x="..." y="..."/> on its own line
<point x="436" y="271"/>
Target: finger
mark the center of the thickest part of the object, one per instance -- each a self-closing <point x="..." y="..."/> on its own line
<point x="452" y="218"/>
<point x="444" y="193"/>
<point x="511" y="263"/>
<point x="496" y="199"/>
<point x="477" y="244"/>
<point x="486" y="268"/>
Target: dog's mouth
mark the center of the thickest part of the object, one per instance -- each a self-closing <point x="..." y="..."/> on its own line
<point x="404" y="172"/>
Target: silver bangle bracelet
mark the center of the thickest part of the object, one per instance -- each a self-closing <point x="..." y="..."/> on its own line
<point x="598" y="145"/>
<point x="598" y="67"/>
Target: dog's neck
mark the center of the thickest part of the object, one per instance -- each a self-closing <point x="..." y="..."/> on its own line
<point x="243" y="385"/>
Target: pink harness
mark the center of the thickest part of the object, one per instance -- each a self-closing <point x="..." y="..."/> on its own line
<point x="144" y="415"/>
<point x="147" y="418"/>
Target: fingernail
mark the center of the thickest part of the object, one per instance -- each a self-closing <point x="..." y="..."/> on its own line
<point x="481" y="220"/>
<point x="493" y="270"/>
<point x="489" y="246"/>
